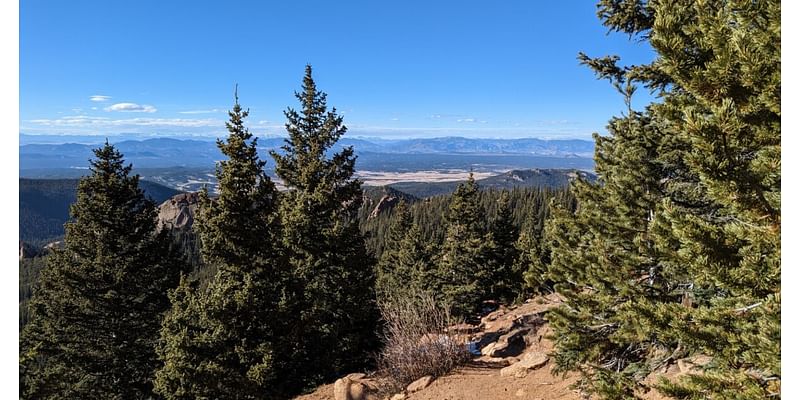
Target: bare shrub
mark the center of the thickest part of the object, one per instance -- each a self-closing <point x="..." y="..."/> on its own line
<point x="416" y="340"/>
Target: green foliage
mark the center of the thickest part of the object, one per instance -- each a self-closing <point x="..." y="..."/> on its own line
<point x="332" y="272"/>
<point x="465" y="269"/>
<point x="222" y="341"/>
<point x="406" y="266"/>
<point x="96" y="311"/>
<point x="676" y="251"/>
<point x="29" y="270"/>
<point x="505" y="281"/>
<point x="413" y="242"/>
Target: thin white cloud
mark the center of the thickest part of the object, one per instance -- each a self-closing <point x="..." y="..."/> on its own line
<point x="212" y="111"/>
<point x="395" y="119"/>
<point x="100" y="98"/>
<point x="131" y="107"/>
<point x="101" y="122"/>
<point x="466" y="120"/>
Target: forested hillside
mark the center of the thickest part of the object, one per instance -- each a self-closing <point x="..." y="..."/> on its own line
<point x="44" y="206"/>
<point x="550" y="178"/>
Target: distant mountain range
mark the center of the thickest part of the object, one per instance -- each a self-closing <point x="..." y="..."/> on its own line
<point x="193" y="153"/>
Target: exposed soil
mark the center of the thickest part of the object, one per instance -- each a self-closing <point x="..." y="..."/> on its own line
<point x="481" y="379"/>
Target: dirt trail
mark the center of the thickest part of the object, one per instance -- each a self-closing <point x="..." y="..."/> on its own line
<point x="481" y="379"/>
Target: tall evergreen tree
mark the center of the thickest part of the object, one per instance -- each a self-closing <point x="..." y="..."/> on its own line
<point x="390" y="275"/>
<point x="334" y="273"/>
<point x="532" y="260"/>
<point x="685" y="259"/>
<point x="406" y="264"/>
<point x="505" y="283"/>
<point x="465" y="267"/>
<point x="224" y="342"/>
<point x="724" y="61"/>
<point x="99" y="303"/>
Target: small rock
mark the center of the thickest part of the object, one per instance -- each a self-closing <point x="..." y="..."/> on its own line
<point x="530" y="361"/>
<point x="495" y="360"/>
<point x="520" y="393"/>
<point x="419" y="384"/>
<point x="399" y="396"/>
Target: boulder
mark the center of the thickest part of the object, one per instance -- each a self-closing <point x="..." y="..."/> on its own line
<point x="530" y="361"/>
<point x="419" y="384"/>
<point x="510" y="344"/>
<point x="179" y="211"/>
<point x="354" y="387"/>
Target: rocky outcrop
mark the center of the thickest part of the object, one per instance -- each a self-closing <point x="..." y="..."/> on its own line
<point x="385" y="203"/>
<point x="510" y="344"/>
<point x="179" y="211"/>
<point x="27" y="250"/>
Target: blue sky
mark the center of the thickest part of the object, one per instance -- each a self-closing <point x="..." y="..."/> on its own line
<point x="394" y="69"/>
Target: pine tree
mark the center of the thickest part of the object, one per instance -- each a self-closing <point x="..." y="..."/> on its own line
<point x="532" y="260"/>
<point x="724" y="61"/>
<point x="505" y="283"/>
<point x="390" y="276"/>
<point x="405" y="268"/>
<point x="335" y="282"/>
<point x="225" y="341"/>
<point x="97" y="308"/>
<point x="465" y="268"/>
<point x="677" y="252"/>
<point x="603" y="264"/>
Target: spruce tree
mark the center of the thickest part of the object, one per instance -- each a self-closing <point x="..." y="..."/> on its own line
<point x="390" y="276"/>
<point x="505" y="283"/>
<point x="724" y="61"/>
<point x="532" y="260"/>
<point x="465" y="269"/>
<point x="406" y="267"/>
<point x="333" y="272"/>
<point x="96" y="312"/>
<point x="677" y="251"/>
<point x="225" y="341"/>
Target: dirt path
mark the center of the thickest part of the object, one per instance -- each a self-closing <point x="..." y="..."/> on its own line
<point x="477" y="382"/>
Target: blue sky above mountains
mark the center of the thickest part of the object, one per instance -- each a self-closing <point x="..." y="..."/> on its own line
<point x="394" y="69"/>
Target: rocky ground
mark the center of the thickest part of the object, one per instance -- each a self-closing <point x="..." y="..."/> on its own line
<point x="514" y="364"/>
